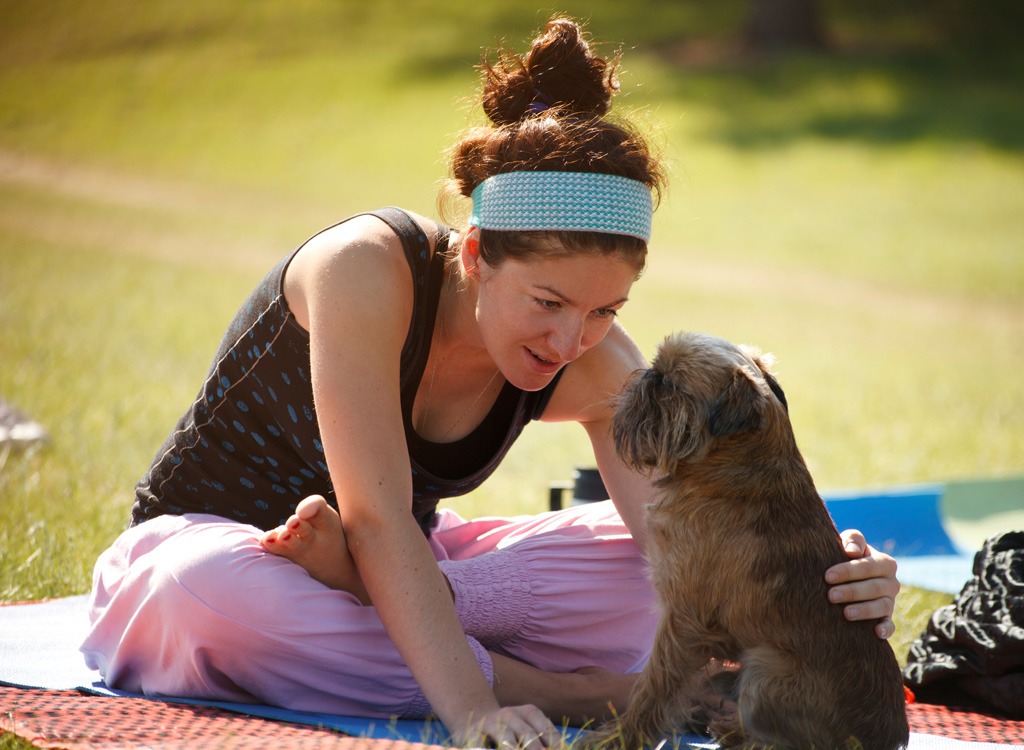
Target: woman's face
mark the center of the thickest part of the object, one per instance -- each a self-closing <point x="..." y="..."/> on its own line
<point x="535" y="316"/>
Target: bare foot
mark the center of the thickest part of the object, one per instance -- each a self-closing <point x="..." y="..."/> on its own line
<point x="314" y="538"/>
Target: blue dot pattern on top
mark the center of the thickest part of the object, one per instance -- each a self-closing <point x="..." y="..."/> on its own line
<point x="249" y="447"/>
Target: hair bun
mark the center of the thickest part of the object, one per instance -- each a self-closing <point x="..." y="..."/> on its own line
<point x="558" y="72"/>
<point x="562" y="74"/>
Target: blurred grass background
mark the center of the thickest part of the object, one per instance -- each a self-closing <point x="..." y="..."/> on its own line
<point x="858" y="211"/>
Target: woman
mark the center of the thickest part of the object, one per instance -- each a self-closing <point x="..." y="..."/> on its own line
<point x="390" y="362"/>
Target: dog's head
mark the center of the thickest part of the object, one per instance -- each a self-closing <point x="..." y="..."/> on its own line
<point x="698" y="390"/>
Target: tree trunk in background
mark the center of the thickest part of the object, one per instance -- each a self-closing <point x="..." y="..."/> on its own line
<point x="776" y="25"/>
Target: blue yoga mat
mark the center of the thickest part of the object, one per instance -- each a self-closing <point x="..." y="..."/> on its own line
<point x="907" y="523"/>
<point x="39" y="649"/>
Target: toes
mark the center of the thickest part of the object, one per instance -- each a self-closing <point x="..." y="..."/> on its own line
<point x="300" y="527"/>
<point x="270" y="539"/>
<point x="310" y="507"/>
<point x="280" y="540"/>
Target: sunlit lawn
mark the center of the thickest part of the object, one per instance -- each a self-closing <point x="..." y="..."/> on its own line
<point x="860" y="216"/>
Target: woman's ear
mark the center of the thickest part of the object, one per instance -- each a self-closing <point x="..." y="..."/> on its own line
<point x="470" y="254"/>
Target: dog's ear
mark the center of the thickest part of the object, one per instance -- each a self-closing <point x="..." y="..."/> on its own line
<point x="777" y="390"/>
<point x="740" y="407"/>
<point x="765" y="363"/>
<point x="656" y="423"/>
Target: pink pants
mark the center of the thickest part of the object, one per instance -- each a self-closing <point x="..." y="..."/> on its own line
<point x="192" y="606"/>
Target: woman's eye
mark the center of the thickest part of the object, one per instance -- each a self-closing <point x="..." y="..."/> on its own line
<point x="606" y="312"/>
<point x="549" y="304"/>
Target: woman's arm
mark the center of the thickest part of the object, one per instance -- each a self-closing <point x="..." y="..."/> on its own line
<point x="867" y="583"/>
<point x="586" y="395"/>
<point x="352" y="290"/>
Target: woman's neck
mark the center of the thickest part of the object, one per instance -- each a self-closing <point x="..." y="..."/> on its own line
<point x="457" y="335"/>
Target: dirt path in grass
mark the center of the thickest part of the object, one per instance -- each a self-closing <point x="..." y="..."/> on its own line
<point x="61" y="202"/>
<point x="65" y="203"/>
<point x="822" y="290"/>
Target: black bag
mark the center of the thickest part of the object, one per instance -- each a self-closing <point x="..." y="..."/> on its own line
<point x="973" y="649"/>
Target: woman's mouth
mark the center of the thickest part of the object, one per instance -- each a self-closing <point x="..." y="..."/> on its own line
<point x="543" y="363"/>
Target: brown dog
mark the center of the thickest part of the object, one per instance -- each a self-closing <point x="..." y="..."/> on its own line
<point x="738" y="544"/>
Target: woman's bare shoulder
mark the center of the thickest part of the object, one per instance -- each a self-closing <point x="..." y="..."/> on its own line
<point x="589" y="385"/>
<point x="359" y="262"/>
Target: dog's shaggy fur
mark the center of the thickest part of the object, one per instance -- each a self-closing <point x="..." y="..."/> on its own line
<point x="738" y="544"/>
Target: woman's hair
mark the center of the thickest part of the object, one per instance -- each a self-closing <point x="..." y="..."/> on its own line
<point x="548" y="114"/>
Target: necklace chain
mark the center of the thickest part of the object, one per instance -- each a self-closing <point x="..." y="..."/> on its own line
<point x="433" y="370"/>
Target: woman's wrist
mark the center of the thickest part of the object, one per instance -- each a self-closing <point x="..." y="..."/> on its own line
<point x="585" y="696"/>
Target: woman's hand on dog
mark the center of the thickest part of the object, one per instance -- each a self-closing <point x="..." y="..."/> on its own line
<point x="868" y="582"/>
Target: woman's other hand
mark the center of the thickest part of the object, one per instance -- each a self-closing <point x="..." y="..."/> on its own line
<point x="509" y="727"/>
<point x="866" y="585"/>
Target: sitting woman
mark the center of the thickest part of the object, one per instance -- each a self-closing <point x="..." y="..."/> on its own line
<point x="286" y="544"/>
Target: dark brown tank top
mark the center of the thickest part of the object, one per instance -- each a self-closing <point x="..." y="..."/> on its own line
<point x="249" y="447"/>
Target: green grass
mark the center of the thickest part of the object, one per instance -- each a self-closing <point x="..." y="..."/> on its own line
<point x="858" y="214"/>
<point x="13" y="742"/>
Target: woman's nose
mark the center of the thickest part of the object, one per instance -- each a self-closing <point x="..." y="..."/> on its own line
<point x="567" y="340"/>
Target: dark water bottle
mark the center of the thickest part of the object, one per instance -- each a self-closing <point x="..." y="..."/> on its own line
<point x="586" y="486"/>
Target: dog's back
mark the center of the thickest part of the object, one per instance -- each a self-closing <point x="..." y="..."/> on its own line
<point x="809" y="678"/>
<point x="816" y="680"/>
<point x="817" y="677"/>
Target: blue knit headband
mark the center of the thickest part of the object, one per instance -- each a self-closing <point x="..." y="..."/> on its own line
<point x="563" y="201"/>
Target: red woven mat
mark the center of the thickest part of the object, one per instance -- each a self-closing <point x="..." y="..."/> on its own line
<point x="69" y="719"/>
<point x="964" y="724"/>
